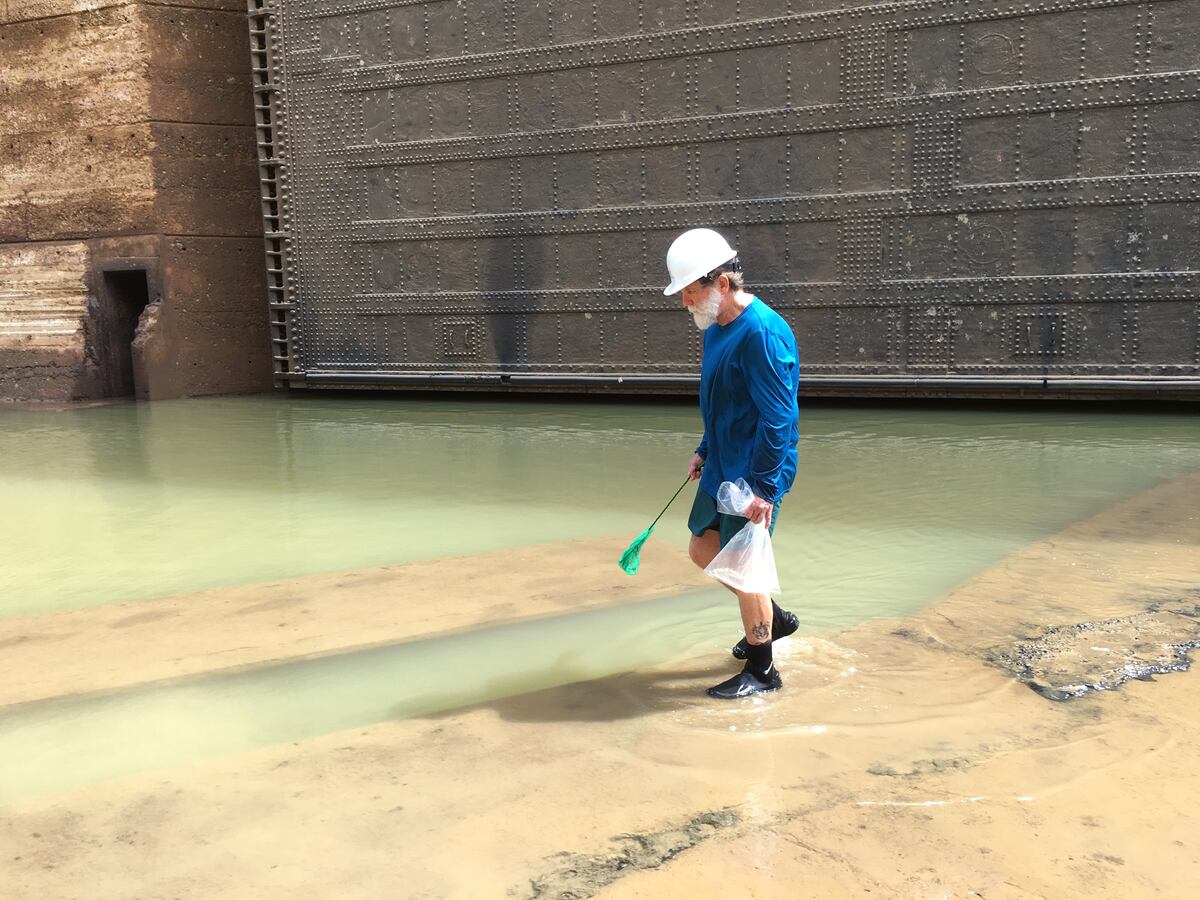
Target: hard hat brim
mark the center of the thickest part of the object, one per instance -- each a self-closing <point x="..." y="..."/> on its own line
<point x="680" y="283"/>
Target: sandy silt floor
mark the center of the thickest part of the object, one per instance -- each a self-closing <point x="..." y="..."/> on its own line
<point x="903" y="759"/>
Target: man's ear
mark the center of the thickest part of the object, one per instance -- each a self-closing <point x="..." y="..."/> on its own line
<point x="723" y="287"/>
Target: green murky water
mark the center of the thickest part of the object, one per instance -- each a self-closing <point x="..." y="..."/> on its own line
<point x="891" y="508"/>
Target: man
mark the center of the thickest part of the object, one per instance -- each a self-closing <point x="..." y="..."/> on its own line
<point x="748" y="383"/>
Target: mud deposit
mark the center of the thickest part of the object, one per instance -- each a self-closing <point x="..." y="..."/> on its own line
<point x="1065" y="662"/>
<point x="579" y="877"/>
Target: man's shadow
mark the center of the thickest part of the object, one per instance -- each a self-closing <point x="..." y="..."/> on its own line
<point x="627" y="695"/>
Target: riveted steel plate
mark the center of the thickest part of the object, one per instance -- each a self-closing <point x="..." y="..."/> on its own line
<point x="937" y="195"/>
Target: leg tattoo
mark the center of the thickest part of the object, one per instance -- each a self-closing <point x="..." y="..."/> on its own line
<point x="761" y="632"/>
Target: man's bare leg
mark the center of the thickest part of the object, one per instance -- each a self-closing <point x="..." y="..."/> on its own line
<point x="759" y="674"/>
<point x="703" y="550"/>
<point x="757" y="613"/>
<point x="756" y="617"/>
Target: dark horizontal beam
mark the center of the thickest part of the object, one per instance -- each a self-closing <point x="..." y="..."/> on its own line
<point x="847" y="385"/>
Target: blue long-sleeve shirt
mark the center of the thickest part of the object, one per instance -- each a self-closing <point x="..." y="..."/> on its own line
<point x="748" y="383"/>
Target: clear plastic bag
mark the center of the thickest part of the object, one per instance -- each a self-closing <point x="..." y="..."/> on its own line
<point x="747" y="562"/>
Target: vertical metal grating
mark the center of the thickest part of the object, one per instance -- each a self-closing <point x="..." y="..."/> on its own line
<point x="272" y="187"/>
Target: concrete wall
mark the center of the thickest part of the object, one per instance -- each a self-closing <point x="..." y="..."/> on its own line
<point x="129" y="143"/>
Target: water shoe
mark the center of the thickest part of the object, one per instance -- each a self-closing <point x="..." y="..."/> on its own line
<point x="745" y="683"/>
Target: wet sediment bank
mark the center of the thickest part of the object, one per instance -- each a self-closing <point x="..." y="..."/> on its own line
<point x="1112" y="598"/>
<point x="902" y="758"/>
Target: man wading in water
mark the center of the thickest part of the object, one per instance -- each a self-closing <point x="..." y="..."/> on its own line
<point x="748" y="383"/>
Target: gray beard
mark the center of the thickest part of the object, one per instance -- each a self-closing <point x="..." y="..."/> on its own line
<point x="705" y="315"/>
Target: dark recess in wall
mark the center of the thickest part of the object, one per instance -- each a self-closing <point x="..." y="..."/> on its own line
<point x="122" y="301"/>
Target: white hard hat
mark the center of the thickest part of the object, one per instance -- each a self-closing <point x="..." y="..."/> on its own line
<point x="693" y="255"/>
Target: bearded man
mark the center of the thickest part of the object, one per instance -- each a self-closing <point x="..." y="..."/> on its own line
<point x="748" y="382"/>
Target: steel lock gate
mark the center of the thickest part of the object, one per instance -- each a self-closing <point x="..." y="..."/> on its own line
<point x="938" y="196"/>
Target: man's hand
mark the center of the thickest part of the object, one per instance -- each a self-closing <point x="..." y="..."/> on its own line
<point x="695" y="466"/>
<point x="760" y="510"/>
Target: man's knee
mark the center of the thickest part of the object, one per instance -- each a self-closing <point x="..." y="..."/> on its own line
<point x="704" y="548"/>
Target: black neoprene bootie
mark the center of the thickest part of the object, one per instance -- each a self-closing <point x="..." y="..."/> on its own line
<point x="745" y="684"/>
<point x="783" y="623"/>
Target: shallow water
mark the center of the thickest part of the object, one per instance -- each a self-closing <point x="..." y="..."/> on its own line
<point x="51" y="746"/>
<point x="892" y="507"/>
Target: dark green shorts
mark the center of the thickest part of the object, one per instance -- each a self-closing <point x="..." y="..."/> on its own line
<point x="706" y="517"/>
